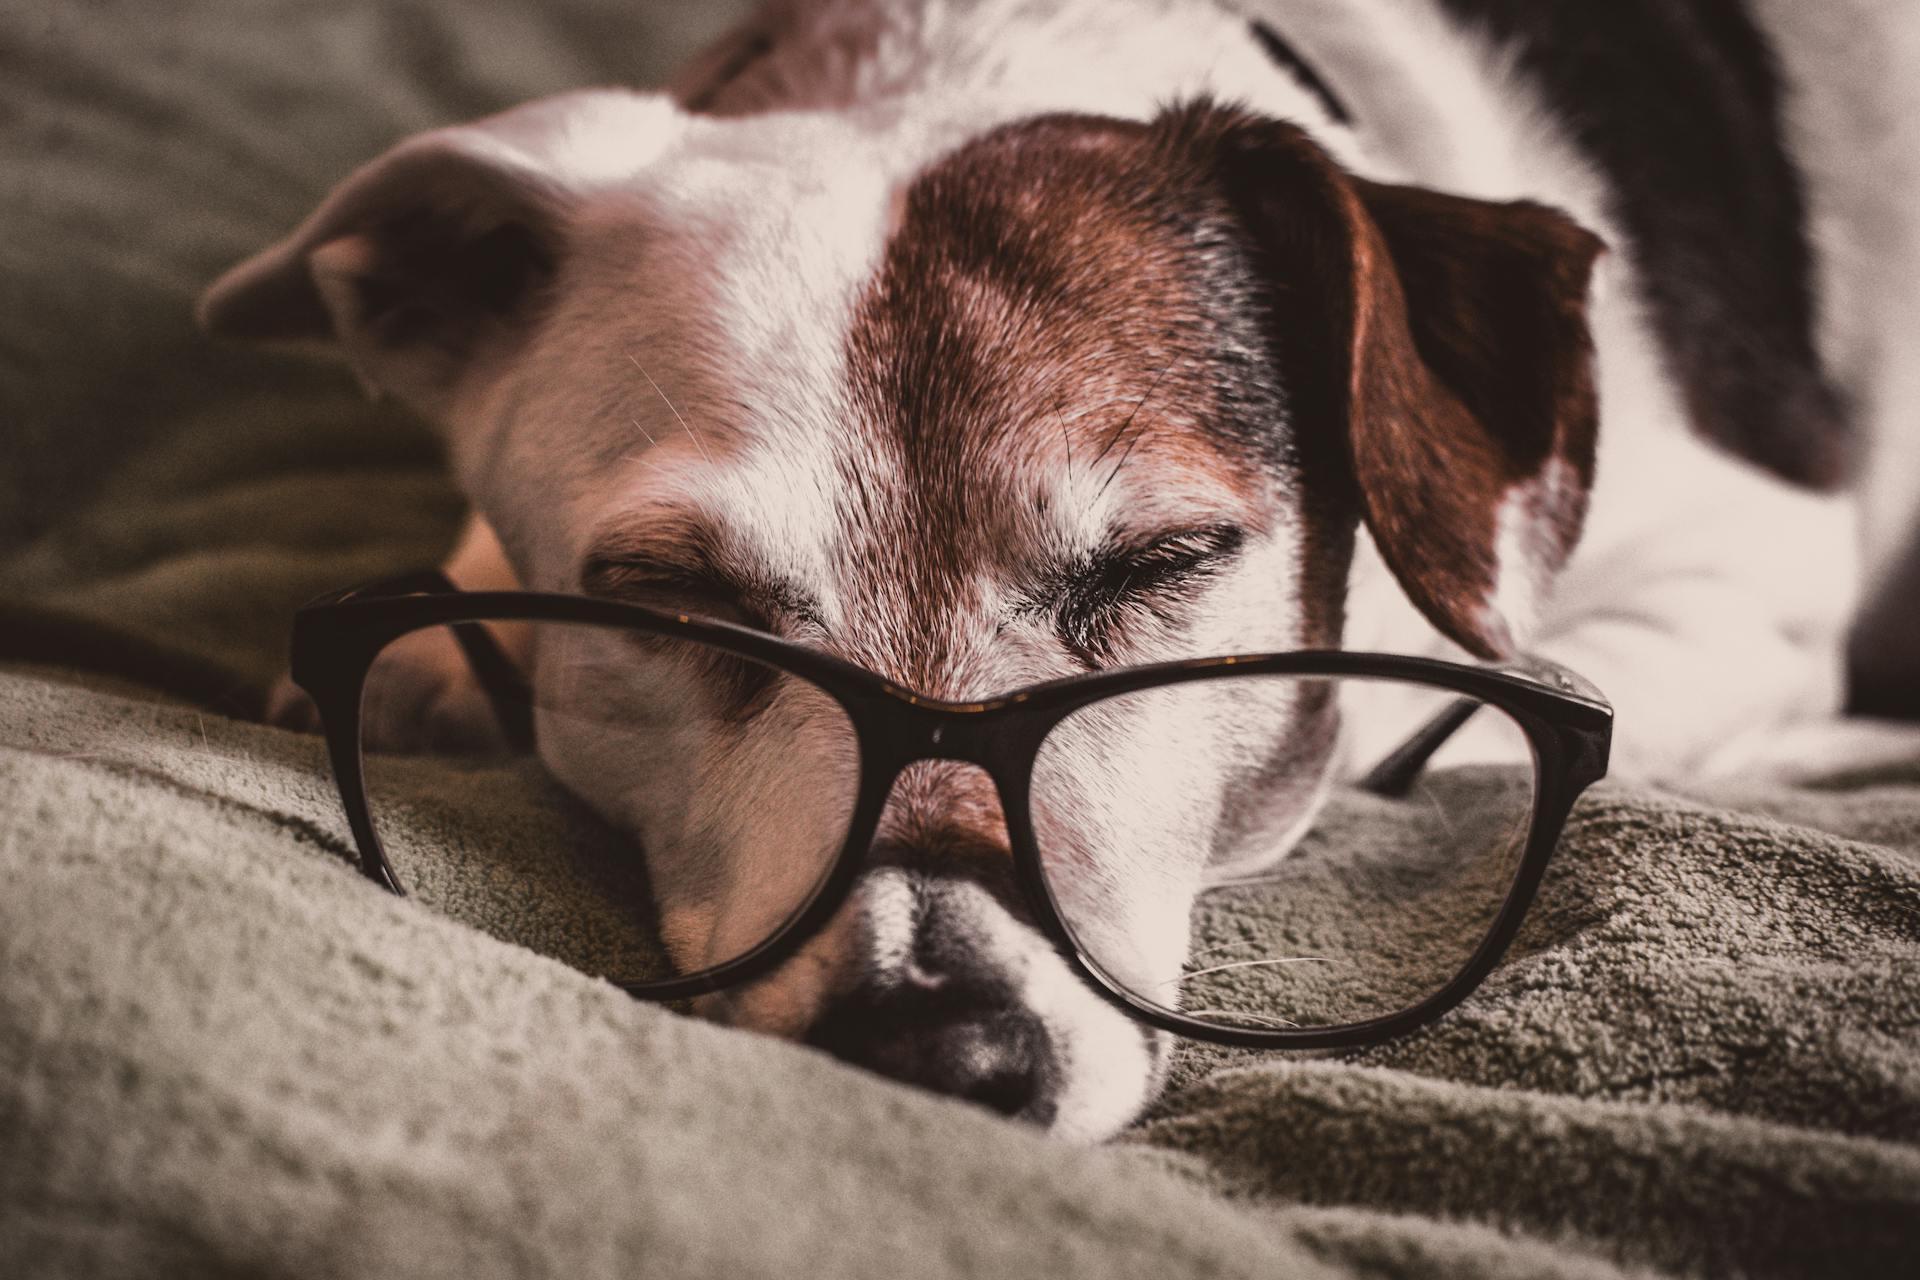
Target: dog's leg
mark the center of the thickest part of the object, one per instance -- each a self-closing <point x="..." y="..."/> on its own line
<point x="478" y="563"/>
<point x="1851" y="114"/>
<point x="428" y="695"/>
<point x="1712" y="618"/>
<point x="1720" y="627"/>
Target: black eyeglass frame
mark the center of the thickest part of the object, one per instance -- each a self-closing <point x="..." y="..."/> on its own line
<point x="1568" y="723"/>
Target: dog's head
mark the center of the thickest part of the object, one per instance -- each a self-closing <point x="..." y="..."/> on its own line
<point x="1071" y="393"/>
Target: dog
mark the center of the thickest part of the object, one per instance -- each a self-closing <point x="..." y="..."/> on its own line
<point x="923" y="332"/>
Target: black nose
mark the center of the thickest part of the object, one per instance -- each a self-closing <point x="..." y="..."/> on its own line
<point x="967" y="1040"/>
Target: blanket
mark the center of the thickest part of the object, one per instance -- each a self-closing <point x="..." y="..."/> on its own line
<point x="222" y="1051"/>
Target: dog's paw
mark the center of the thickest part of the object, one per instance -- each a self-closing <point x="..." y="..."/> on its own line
<point x="420" y="697"/>
<point x="290" y="707"/>
<point x="1814" y="751"/>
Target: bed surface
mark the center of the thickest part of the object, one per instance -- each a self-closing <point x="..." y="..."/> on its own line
<point x="223" y="1052"/>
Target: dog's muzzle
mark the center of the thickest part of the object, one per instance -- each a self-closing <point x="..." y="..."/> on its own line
<point x="963" y="1040"/>
<point x="936" y="1002"/>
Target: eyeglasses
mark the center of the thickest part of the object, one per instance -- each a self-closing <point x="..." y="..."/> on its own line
<point x="1125" y="794"/>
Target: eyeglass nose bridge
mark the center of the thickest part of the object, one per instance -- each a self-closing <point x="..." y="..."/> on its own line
<point x="976" y="733"/>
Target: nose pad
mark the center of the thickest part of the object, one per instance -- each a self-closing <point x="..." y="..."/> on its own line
<point x="934" y="1004"/>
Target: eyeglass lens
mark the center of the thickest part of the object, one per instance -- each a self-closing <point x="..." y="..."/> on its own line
<point x="1202" y="849"/>
<point x="643" y="742"/>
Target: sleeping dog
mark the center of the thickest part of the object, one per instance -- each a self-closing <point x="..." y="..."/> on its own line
<point x="979" y="342"/>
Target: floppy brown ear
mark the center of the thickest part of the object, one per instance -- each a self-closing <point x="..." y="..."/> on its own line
<point x="1452" y="337"/>
<point x="431" y="254"/>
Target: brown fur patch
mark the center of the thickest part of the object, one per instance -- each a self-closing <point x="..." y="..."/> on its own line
<point x="945" y="817"/>
<point x="1211" y="296"/>
<point x="1062" y="291"/>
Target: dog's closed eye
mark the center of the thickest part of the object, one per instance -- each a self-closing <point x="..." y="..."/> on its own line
<point x="740" y="688"/>
<point x="681" y="564"/>
<point x="1095" y="597"/>
<point x="670" y="585"/>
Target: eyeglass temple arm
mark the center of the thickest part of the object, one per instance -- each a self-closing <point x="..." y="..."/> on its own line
<point x="1396" y="772"/>
<point x="507" y="690"/>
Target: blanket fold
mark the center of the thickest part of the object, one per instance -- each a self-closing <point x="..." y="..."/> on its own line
<point x="1695" y="1062"/>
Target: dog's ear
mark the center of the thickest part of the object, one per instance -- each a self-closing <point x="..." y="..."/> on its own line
<point x="1446" y="339"/>
<point x="439" y="250"/>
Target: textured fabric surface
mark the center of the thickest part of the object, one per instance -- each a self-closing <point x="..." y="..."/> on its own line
<point x="221" y="1048"/>
<point x="185" y="494"/>
<point x="223" y="1052"/>
<point x="1704" y="1049"/>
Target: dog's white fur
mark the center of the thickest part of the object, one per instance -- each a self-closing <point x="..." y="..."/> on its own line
<point x="1853" y="124"/>
<point x="695" y="354"/>
<point x="1708" y="599"/>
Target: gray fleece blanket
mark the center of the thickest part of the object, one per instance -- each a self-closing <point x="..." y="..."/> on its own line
<point x="222" y="1052"/>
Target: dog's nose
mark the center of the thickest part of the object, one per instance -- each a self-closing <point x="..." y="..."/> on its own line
<point x="949" y="1036"/>
<point x="934" y="1002"/>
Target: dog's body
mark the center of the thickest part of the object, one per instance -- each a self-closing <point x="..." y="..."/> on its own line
<point x="816" y="298"/>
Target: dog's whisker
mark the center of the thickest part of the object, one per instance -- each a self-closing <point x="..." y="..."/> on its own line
<point x="1218" y="948"/>
<point x="642" y="430"/>
<point x="1134" y="441"/>
<point x="1245" y="964"/>
<point x="1241" y="1015"/>
<point x="1121" y="464"/>
<point x="1242" y="882"/>
<point x="1439" y="810"/>
<point x="687" y="426"/>
<point x="1139" y="404"/>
